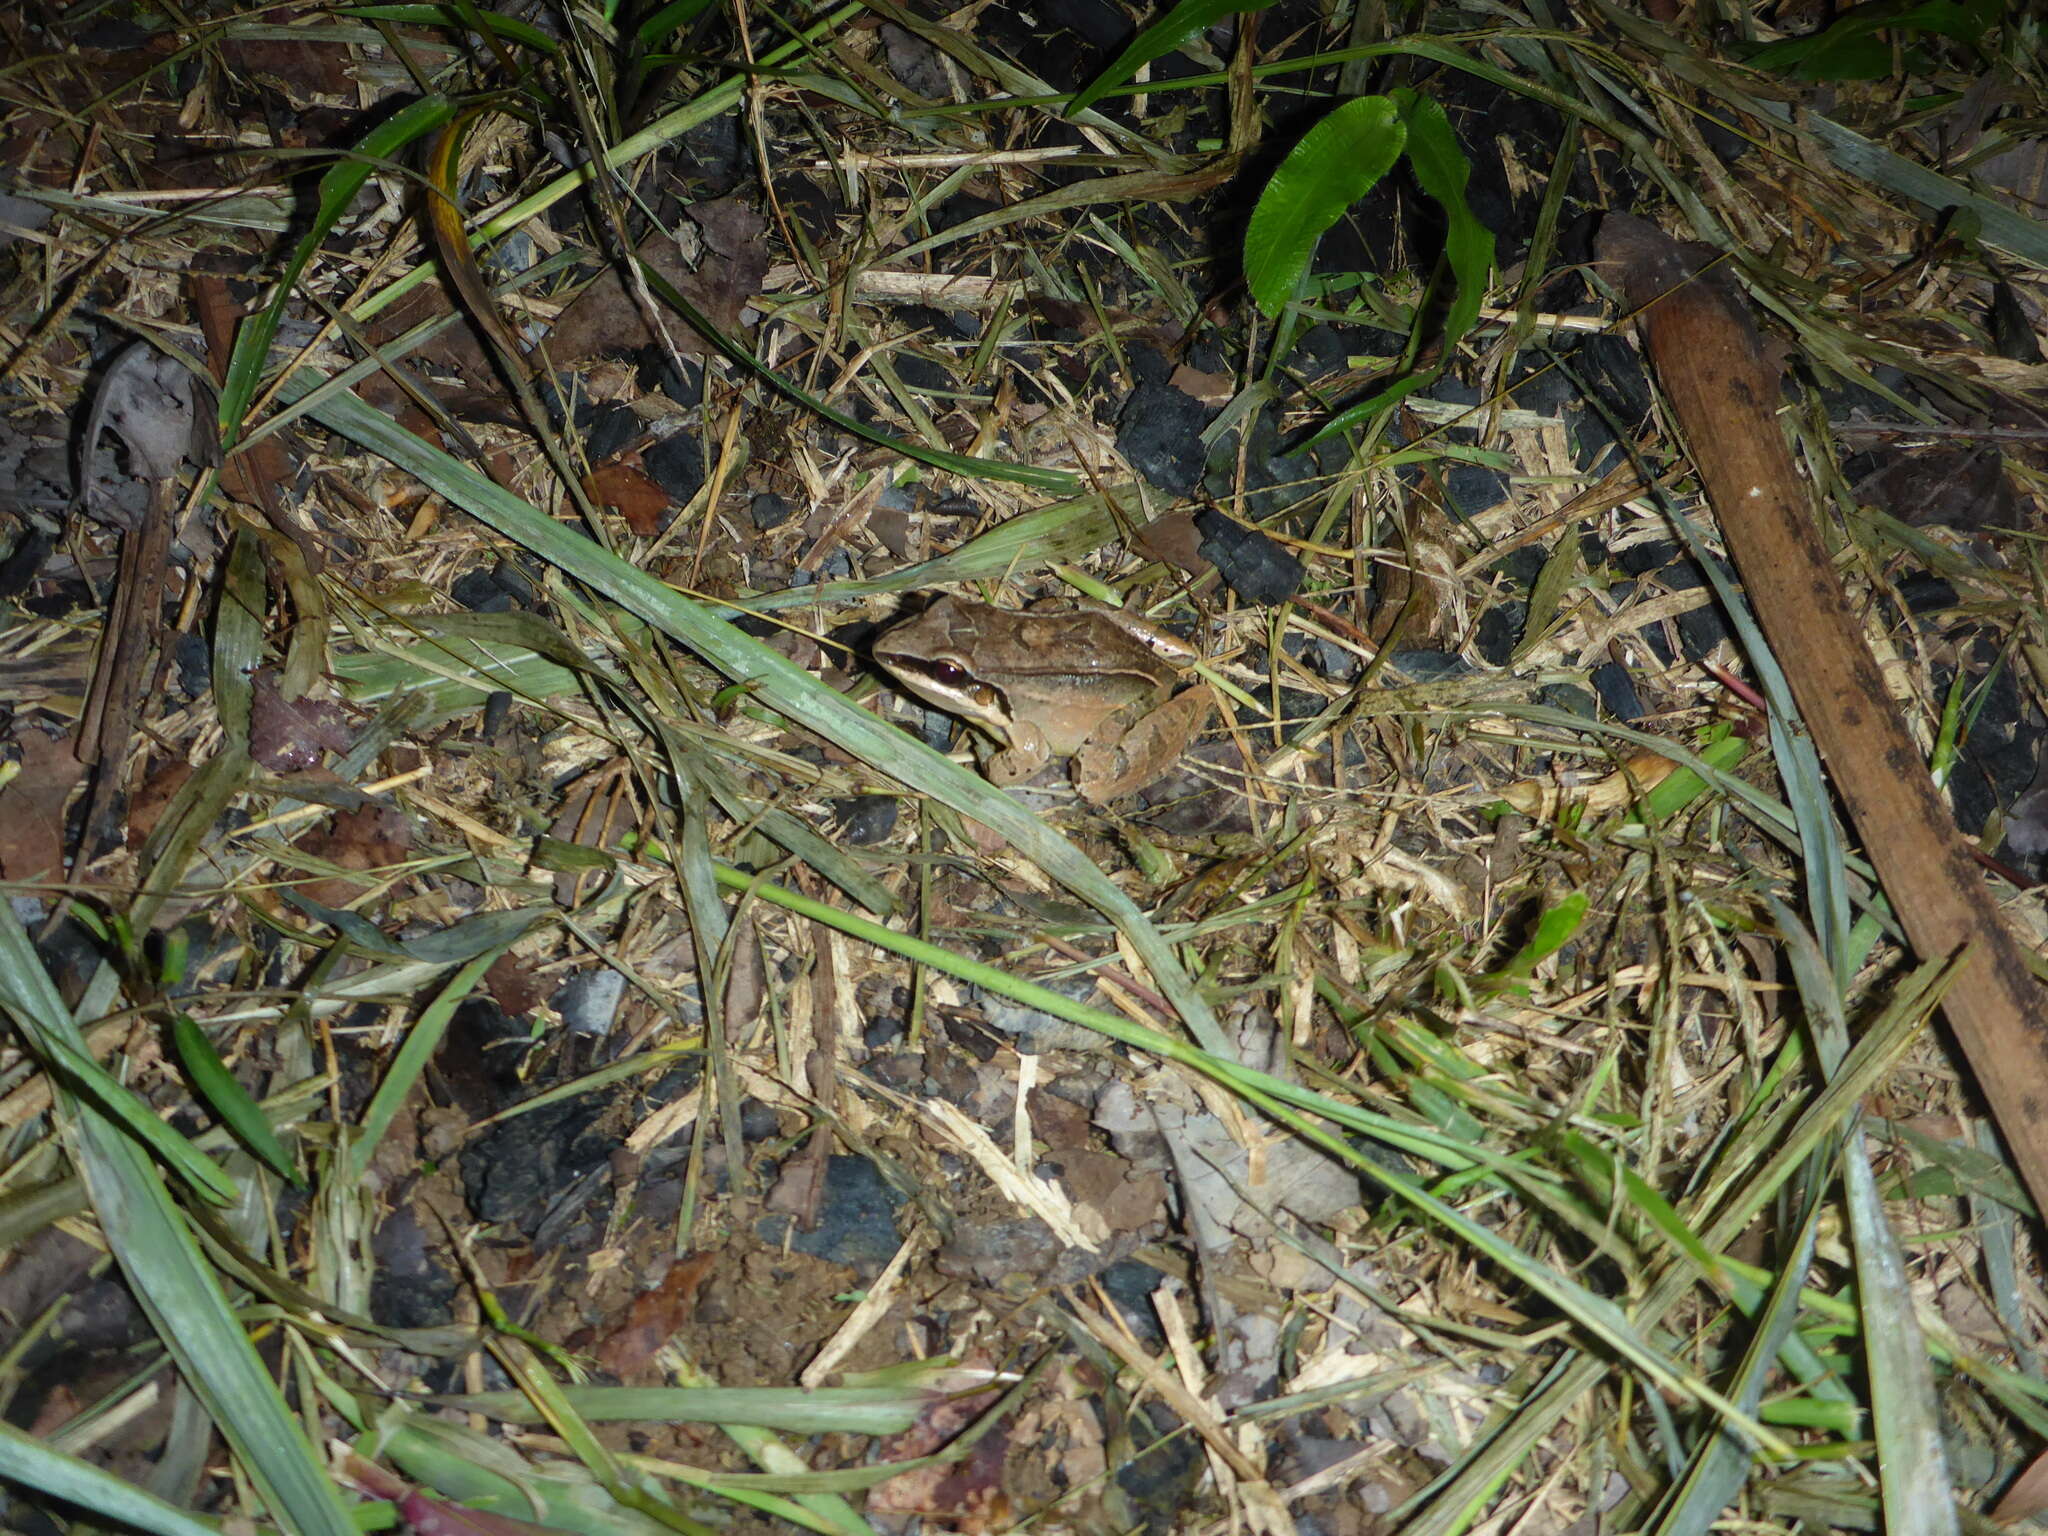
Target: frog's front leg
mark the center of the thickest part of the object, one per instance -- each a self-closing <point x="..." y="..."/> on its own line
<point x="1144" y="751"/>
<point x="1021" y="758"/>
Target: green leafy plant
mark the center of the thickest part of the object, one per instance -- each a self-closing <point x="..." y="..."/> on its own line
<point x="1337" y="162"/>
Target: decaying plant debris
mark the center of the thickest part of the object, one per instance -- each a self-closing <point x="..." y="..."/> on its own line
<point x="516" y="1020"/>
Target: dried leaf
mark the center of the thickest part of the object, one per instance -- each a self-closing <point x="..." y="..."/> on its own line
<point x="32" y="806"/>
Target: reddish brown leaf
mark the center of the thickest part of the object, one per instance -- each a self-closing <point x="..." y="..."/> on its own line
<point x="652" y="1318"/>
<point x="513" y="986"/>
<point x="2028" y="1495"/>
<point x="606" y="318"/>
<point x="286" y="735"/>
<point x="32" y="806"/>
<point x="627" y="489"/>
<point x="147" y="805"/>
<point x="369" y="838"/>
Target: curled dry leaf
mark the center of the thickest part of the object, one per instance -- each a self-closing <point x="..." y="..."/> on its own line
<point x="150" y="402"/>
<point x="286" y="735"/>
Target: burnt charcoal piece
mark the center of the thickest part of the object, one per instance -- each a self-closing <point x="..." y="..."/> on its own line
<point x="2012" y="331"/>
<point x="685" y="386"/>
<point x="1160" y="433"/>
<point x="606" y="429"/>
<point x="1617" y="691"/>
<point x="1251" y="564"/>
<point x="676" y="464"/>
<point x="856" y="1219"/>
<point x="923" y="374"/>
<point x="410" y="1290"/>
<point x="866" y="819"/>
<point x="512" y="1172"/>
<point x="193" y="658"/>
<point x="712" y="154"/>
<point x="482" y="592"/>
<point x="589" y="1002"/>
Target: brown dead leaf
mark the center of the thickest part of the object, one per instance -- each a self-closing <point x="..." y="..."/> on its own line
<point x="628" y="490"/>
<point x="1126" y="1199"/>
<point x="1209" y="388"/>
<point x="731" y="226"/>
<point x="1955" y="486"/>
<point x="1059" y="1122"/>
<point x="653" y="1318"/>
<point x="967" y="1494"/>
<point x="370" y="838"/>
<point x="2028" y="1495"/>
<point x="1175" y="540"/>
<point x="604" y="317"/>
<point x="798" y="1190"/>
<point x="147" y="805"/>
<point x="513" y="986"/>
<point x="297" y="67"/>
<point x="32" y="806"/>
<point x="286" y="735"/>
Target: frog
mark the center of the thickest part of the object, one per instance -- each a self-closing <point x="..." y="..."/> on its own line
<point x="1063" y="678"/>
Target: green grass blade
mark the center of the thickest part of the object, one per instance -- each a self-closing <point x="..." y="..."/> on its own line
<point x="1056" y="481"/>
<point x="337" y="190"/>
<point x="1187" y="20"/>
<point x="27" y="996"/>
<point x="421" y="1041"/>
<point x="214" y="1084"/>
<point x="32" y="1464"/>
<point x="1597" y="1314"/>
<point x="792" y="1410"/>
<point x="178" y="1290"/>
<point x="511" y="28"/>
<point x="678" y="13"/>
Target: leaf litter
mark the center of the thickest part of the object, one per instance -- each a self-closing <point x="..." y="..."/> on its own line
<point x="1477" y="873"/>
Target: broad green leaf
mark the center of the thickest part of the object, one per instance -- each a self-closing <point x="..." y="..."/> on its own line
<point x="1337" y="162"/>
<point x="1177" y="26"/>
<point x="1441" y="170"/>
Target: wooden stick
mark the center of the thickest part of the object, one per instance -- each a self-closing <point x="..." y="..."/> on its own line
<point x="1711" y="364"/>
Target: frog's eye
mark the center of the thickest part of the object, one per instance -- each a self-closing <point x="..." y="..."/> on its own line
<point x="948" y="674"/>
